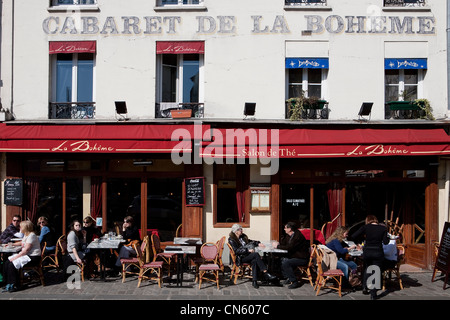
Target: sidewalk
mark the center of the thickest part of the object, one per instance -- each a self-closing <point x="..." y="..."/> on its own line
<point x="417" y="286"/>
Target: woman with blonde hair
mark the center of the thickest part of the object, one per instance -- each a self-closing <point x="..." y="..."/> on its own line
<point x="29" y="255"/>
<point x="336" y="243"/>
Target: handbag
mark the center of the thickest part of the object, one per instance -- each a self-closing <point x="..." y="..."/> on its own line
<point x="353" y="279"/>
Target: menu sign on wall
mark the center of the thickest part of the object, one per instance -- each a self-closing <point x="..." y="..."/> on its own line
<point x="195" y="191"/>
<point x="13" y="189"/>
<point x="443" y="257"/>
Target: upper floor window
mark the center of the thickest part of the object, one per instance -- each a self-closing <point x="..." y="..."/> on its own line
<point x="72" y="80"/>
<point x="404" y="3"/>
<point x="305" y="2"/>
<point x="72" y="2"/>
<point x="164" y="3"/>
<point x="403" y="82"/>
<point x="179" y="76"/>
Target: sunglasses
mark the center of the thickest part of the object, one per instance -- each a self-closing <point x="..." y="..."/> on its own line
<point x="16" y="220"/>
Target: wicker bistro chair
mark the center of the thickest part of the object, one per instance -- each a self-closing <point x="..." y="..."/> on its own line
<point x="49" y="259"/>
<point x="220" y="243"/>
<point x="62" y="247"/>
<point x="167" y="258"/>
<point x="129" y="263"/>
<point x="36" y="268"/>
<point x="307" y="271"/>
<point x="401" y="252"/>
<point x="242" y="271"/>
<point x="145" y="267"/>
<point x="209" y="252"/>
<point x="326" y="276"/>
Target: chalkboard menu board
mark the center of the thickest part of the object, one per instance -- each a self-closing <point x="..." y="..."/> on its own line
<point x="195" y="191"/>
<point x="13" y="192"/>
<point x="443" y="257"/>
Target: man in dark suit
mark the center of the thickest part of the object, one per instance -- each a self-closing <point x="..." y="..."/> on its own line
<point x="298" y="253"/>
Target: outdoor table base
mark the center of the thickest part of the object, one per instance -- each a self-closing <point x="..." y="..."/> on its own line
<point x="103" y="245"/>
<point x="180" y="251"/>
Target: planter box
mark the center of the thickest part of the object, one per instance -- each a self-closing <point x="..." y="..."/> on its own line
<point x="184" y="113"/>
<point x="402" y="105"/>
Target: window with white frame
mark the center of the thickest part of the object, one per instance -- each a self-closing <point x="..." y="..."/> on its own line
<point x="306" y="76"/>
<point x="404" y="3"/>
<point x="73" y="77"/>
<point x="164" y="3"/>
<point x="72" y="2"/>
<point x="305" y="2"/>
<point x="404" y="79"/>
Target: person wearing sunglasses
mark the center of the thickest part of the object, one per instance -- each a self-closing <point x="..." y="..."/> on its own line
<point x="47" y="234"/>
<point x="12" y="231"/>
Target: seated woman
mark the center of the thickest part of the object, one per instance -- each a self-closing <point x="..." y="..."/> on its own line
<point x="91" y="229"/>
<point x="130" y="233"/>
<point x="75" y="241"/>
<point x="245" y="253"/>
<point x="30" y="247"/>
<point x="47" y="235"/>
<point x="336" y="243"/>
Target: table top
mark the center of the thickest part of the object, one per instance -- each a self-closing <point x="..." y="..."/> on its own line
<point x="188" y="241"/>
<point x="355" y="253"/>
<point x="180" y="249"/>
<point x="12" y="249"/>
<point x="105" y="243"/>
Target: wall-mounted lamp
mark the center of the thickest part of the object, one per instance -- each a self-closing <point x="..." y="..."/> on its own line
<point x="249" y="109"/>
<point x="55" y="163"/>
<point x="121" y="110"/>
<point x="143" y="162"/>
<point x="365" y="110"/>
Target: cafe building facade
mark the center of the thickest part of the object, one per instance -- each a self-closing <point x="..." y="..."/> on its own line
<point x="94" y="95"/>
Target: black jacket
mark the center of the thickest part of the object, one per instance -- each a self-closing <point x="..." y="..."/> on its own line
<point x="297" y="246"/>
<point x="239" y="249"/>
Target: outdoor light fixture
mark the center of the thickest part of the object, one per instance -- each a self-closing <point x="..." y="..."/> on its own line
<point x="249" y="109"/>
<point x="121" y="110"/>
<point x="365" y="110"/>
<point x="142" y="162"/>
<point x="57" y="163"/>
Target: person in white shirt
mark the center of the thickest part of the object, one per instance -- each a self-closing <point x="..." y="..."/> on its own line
<point x="390" y="254"/>
<point x="30" y="248"/>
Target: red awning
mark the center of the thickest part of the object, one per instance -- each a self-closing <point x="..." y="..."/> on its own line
<point x="180" y="47"/>
<point x="56" y="47"/>
<point x="325" y="143"/>
<point x="108" y="138"/>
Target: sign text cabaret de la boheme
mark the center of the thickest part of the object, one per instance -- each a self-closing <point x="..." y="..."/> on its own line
<point x="279" y="24"/>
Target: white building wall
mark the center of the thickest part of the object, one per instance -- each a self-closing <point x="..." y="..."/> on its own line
<point x="244" y="53"/>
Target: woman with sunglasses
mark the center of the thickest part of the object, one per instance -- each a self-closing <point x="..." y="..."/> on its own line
<point x="47" y="234"/>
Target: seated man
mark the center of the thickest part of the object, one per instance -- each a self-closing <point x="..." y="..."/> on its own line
<point x="13" y="230"/>
<point x="390" y="254"/>
<point x="298" y="253"/>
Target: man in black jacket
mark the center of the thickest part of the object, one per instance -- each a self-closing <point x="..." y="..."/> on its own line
<point x="11" y="230"/>
<point x="298" y="253"/>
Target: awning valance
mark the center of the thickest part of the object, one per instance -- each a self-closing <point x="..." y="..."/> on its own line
<point x="180" y="47"/>
<point x="396" y="64"/>
<point x="325" y="143"/>
<point x="108" y="138"/>
<point x="309" y="63"/>
<point x="56" y="47"/>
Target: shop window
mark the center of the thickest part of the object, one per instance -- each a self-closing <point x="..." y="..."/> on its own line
<point x="72" y="86"/>
<point x="179" y="77"/>
<point x="232" y="182"/>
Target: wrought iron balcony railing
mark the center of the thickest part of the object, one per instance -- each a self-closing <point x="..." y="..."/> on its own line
<point x="71" y="110"/>
<point x="404" y="3"/>
<point x="305" y="2"/>
<point x="163" y="109"/>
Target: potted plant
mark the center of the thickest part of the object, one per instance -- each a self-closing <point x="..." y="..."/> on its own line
<point x="297" y="108"/>
<point x="426" y="112"/>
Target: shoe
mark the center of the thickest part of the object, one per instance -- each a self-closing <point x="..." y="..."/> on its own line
<point x="269" y="277"/>
<point x="365" y="291"/>
<point x="12" y="288"/>
<point x="373" y="295"/>
<point x="6" y="289"/>
<point x="294" y="285"/>
<point x="286" y="282"/>
<point x="255" y="284"/>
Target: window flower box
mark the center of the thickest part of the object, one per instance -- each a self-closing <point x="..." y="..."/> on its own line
<point x="181" y="113"/>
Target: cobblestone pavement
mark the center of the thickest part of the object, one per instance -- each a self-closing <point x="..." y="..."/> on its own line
<point x="417" y="286"/>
